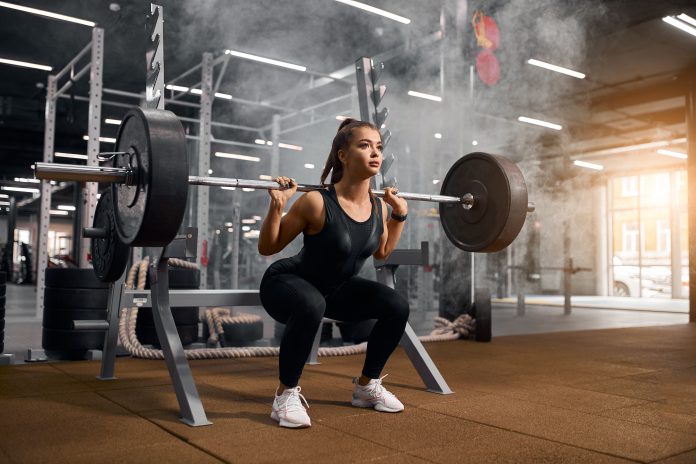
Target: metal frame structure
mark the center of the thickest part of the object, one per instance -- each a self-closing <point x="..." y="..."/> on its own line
<point x="89" y="193"/>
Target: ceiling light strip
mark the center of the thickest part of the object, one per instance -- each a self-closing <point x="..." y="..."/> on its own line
<point x="672" y="153"/>
<point x="426" y="96"/>
<point x="558" y="69"/>
<point x="585" y="164"/>
<point x="375" y="10"/>
<point x="25" y="64"/>
<point x="671" y="20"/>
<point x="539" y="122"/>
<point x="262" y="59"/>
<point x="48" y="14"/>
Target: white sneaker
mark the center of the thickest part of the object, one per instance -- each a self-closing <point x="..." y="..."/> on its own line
<point x="287" y="409"/>
<point x="374" y="395"/>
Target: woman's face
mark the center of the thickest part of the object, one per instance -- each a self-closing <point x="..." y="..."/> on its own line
<point x="363" y="155"/>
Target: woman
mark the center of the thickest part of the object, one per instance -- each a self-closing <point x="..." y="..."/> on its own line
<point x="342" y="224"/>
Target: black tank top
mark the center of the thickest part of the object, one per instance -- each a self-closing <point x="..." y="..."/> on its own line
<point x="338" y="252"/>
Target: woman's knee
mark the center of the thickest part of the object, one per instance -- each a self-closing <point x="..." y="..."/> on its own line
<point x="398" y="307"/>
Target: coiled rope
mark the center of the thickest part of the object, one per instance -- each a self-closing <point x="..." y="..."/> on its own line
<point x="215" y="317"/>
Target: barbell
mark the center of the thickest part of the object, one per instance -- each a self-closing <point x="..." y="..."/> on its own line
<point x="483" y="198"/>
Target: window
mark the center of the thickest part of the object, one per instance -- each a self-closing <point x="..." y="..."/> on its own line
<point x="662" y="184"/>
<point x="629" y="186"/>
<point x="663" y="237"/>
<point x="629" y="232"/>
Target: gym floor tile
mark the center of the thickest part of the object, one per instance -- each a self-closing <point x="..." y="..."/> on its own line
<point x="688" y="457"/>
<point x="277" y="444"/>
<point x="34" y="380"/>
<point x="606" y="435"/>
<point x="173" y="452"/>
<point x="505" y="447"/>
<point x="411" y="429"/>
<point x="655" y="414"/>
<point x="55" y="426"/>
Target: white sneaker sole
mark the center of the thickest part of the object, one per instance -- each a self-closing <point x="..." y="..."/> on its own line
<point x="358" y="403"/>
<point x="285" y="423"/>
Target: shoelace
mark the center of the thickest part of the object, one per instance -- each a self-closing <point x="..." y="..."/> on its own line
<point x="378" y="389"/>
<point x="293" y="400"/>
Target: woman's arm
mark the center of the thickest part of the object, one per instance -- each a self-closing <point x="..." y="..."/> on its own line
<point x="392" y="227"/>
<point x="278" y="230"/>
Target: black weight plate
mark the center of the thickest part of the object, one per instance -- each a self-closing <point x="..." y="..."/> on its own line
<point x="500" y="202"/>
<point x="2" y="325"/>
<point x="147" y="334"/>
<point x="242" y="334"/>
<point x="3" y="299"/>
<point x="3" y="290"/>
<point x="2" y="342"/>
<point x="76" y="298"/>
<point x="150" y="212"/>
<point x="187" y="315"/>
<point x="109" y="254"/>
<point x="2" y="312"/>
<point x="57" y="277"/>
<point x="181" y="278"/>
<point x="3" y="278"/>
<point x="59" y="318"/>
<point x="71" y="340"/>
<point x="482" y="314"/>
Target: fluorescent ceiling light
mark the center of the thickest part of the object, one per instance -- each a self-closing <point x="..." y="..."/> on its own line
<point x="48" y="14"/>
<point x="248" y="190"/>
<point x="687" y="19"/>
<point x="674" y="154"/>
<point x="24" y="64"/>
<point x="585" y="164"/>
<point x="258" y="218"/>
<point x="265" y="177"/>
<point x="228" y="188"/>
<point x="246" y="228"/>
<point x="59" y="154"/>
<point x="28" y="181"/>
<point x="248" y="221"/>
<point x="101" y="139"/>
<point x="671" y="20"/>
<point x="558" y="69"/>
<point x="289" y="146"/>
<point x="66" y="207"/>
<point x="221" y="154"/>
<point x="640" y="146"/>
<point x="261" y="59"/>
<point x="4" y="203"/>
<point x="116" y="122"/>
<point x="436" y="181"/>
<point x="539" y="122"/>
<point x="309" y="165"/>
<point x="374" y="10"/>
<point x="21" y="189"/>
<point x="474" y="142"/>
<point x="225" y="96"/>
<point x="437" y="135"/>
<point x="179" y="88"/>
<point x="340" y="117"/>
<point x="3" y="195"/>
<point x="58" y="212"/>
<point x="263" y="142"/>
<point x="230" y="229"/>
<point x="425" y="95"/>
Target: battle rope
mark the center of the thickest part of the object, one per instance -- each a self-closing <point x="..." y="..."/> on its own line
<point x="215" y="317"/>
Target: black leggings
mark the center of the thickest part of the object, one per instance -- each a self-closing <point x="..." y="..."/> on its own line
<point x="294" y="301"/>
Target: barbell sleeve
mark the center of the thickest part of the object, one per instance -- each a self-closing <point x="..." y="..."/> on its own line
<point x="69" y="172"/>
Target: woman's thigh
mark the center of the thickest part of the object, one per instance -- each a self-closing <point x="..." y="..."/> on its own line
<point x="359" y="299"/>
<point x="285" y="295"/>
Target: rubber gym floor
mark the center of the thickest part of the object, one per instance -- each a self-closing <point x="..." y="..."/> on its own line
<point x="609" y="396"/>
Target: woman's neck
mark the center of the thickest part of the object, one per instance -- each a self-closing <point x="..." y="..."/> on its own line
<point x="353" y="190"/>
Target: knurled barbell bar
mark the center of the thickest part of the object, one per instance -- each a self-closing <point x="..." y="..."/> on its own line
<point x="483" y="199"/>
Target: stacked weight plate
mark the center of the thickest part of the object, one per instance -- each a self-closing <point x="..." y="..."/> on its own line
<point x="185" y="318"/>
<point x="3" y="288"/>
<point x="72" y="294"/>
